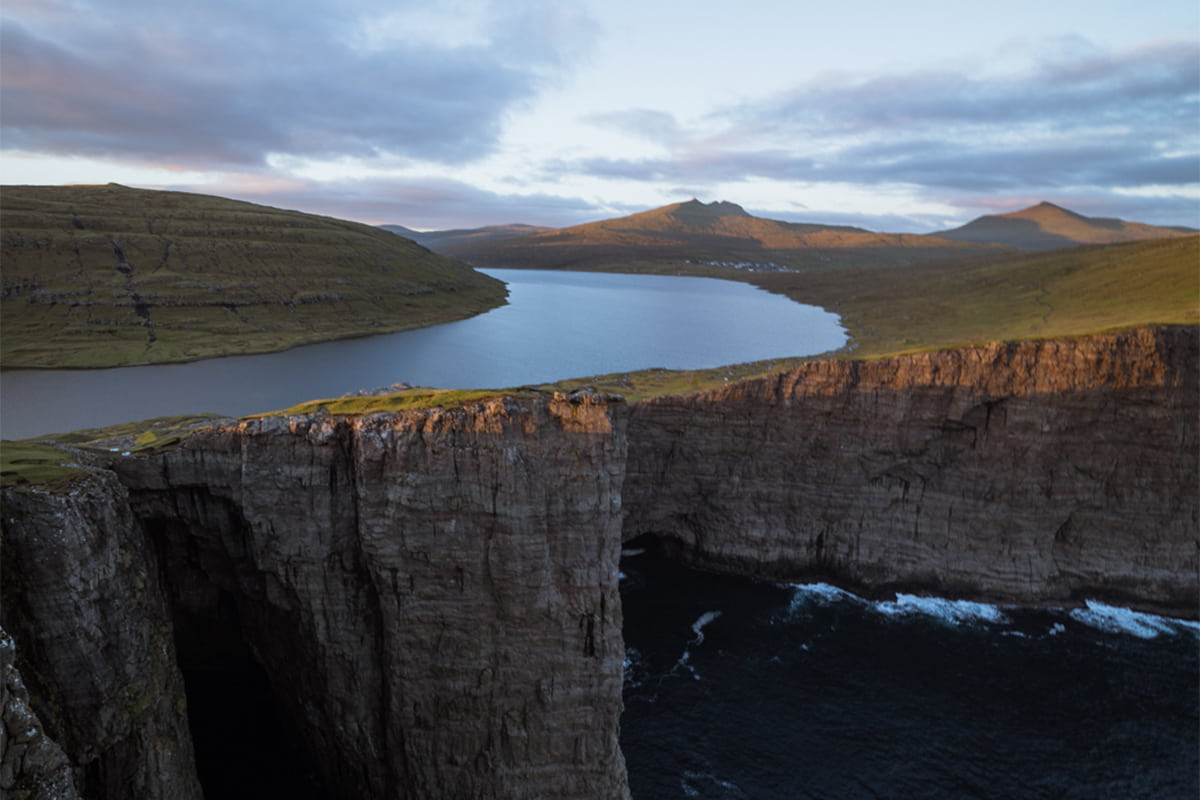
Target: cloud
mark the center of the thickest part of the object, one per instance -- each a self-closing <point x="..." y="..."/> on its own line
<point x="1078" y="118"/>
<point x="429" y="203"/>
<point x="644" y="123"/>
<point x="225" y="84"/>
<point x="1155" y="87"/>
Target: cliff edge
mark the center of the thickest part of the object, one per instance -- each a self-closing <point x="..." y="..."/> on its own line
<point x="430" y="597"/>
<point x="1036" y="472"/>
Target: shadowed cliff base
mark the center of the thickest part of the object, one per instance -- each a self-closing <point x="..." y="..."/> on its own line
<point x="432" y="593"/>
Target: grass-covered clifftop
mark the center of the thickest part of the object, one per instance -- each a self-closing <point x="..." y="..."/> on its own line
<point x="101" y="276"/>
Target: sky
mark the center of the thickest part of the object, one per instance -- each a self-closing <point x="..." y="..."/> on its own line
<point x="435" y="114"/>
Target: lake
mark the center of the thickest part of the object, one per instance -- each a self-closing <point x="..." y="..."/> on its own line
<point x="557" y="325"/>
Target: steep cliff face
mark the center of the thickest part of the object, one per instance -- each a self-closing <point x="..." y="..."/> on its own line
<point x="83" y="598"/>
<point x="1037" y="472"/>
<point x="433" y="594"/>
<point x="32" y="765"/>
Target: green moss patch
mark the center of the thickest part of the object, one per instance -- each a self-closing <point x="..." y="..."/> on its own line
<point x="26" y="464"/>
<point x="405" y="400"/>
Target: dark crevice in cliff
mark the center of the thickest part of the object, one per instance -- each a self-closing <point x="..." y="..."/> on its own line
<point x="245" y="745"/>
<point x="245" y="742"/>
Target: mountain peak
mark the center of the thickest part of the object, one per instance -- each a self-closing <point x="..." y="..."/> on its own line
<point x="1047" y="226"/>
<point x="1043" y="210"/>
<point x="695" y="210"/>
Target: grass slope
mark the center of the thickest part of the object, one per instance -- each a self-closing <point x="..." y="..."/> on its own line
<point x="100" y="276"/>
<point x="1059" y="293"/>
<point x="58" y="462"/>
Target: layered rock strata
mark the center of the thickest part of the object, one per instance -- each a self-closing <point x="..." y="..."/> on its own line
<point x="432" y="595"/>
<point x="1039" y="472"/>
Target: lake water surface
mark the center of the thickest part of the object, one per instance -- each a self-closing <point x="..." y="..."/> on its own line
<point x="557" y="325"/>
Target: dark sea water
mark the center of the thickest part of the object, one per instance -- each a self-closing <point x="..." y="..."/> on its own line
<point x="737" y="689"/>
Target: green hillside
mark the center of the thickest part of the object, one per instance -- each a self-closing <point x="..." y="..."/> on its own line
<point x="99" y="276"/>
<point x="1038" y="295"/>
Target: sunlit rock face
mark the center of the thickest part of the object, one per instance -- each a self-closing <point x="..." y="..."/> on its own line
<point x="432" y="594"/>
<point x="1036" y="472"/>
<point x="429" y="599"/>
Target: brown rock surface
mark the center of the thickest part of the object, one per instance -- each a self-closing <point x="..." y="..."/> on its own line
<point x="1035" y="472"/>
<point x="433" y="593"/>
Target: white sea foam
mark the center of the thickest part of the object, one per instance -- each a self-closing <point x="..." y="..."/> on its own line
<point x="698" y="629"/>
<point x="1115" y="619"/>
<point x="953" y="611"/>
<point x="728" y="788"/>
<point x="819" y="592"/>
<point x="698" y="625"/>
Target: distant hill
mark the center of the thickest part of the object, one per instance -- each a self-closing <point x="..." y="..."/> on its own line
<point x="695" y="233"/>
<point x="107" y="275"/>
<point x="439" y="241"/>
<point x="1046" y="226"/>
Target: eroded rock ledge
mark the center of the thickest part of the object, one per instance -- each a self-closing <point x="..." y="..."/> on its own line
<point x="432" y="594"/>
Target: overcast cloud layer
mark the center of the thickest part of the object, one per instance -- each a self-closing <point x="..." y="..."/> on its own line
<point x="405" y="113"/>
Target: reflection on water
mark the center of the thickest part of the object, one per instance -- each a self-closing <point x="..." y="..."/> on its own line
<point x="557" y="325"/>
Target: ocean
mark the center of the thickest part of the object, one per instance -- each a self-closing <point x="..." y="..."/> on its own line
<point x="739" y="689"/>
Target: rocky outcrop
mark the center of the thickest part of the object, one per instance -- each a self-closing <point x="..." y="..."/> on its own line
<point x="1034" y="472"/>
<point x="32" y="765"/>
<point x="431" y="595"/>
<point x="83" y="598"/>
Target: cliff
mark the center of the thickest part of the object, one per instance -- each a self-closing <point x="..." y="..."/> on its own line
<point x="427" y="599"/>
<point x="433" y="594"/>
<point x="83" y="599"/>
<point x="1039" y="472"/>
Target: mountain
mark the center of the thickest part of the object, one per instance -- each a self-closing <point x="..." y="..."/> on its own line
<point x="1046" y="226"/>
<point x="100" y="276"/>
<point x="439" y="241"/>
<point x="718" y="234"/>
